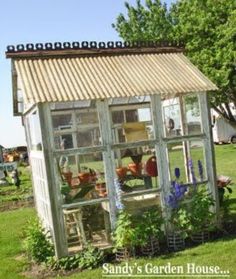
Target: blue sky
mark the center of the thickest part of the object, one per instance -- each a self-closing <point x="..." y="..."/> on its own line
<point x="48" y="21"/>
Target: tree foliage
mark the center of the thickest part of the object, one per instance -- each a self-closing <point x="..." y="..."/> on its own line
<point x="208" y="29"/>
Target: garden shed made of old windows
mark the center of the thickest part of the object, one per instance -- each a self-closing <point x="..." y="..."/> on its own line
<point x="100" y="114"/>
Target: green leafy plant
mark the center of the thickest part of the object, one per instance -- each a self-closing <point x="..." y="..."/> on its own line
<point x="89" y="258"/>
<point x="180" y="219"/>
<point x="37" y="243"/>
<point x="148" y="226"/>
<point x="201" y="216"/>
<point x="124" y="234"/>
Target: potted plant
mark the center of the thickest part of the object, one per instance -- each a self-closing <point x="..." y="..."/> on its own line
<point x="100" y="186"/>
<point x="124" y="236"/>
<point x="86" y="175"/>
<point x="179" y="227"/>
<point x="121" y="172"/>
<point x="135" y="168"/>
<point x="148" y="231"/>
<point x="178" y="215"/>
<point x="201" y="218"/>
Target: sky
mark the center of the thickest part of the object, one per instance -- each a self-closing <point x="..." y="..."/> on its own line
<point x="34" y="21"/>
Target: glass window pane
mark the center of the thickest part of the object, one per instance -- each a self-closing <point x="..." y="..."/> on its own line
<point x="197" y="155"/>
<point x="63" y="142"/>
<point x="34" y="130"/>
<point x="88" y="132"/>
<point x="84" y="176"/>
<point x="189" y="157"/>
<point x="177" y="161"/>
<point x="131" y="125"/>
<point x="61" y="122"/>
<point x="136" y="169"/>
<point x="131" y="115"/>
<point x="172" y="117"/>
<point x="86" y="117"/>
<point x="117" y="117"/>
<point x="88" y="137"/>
<point x="192" y="114"/>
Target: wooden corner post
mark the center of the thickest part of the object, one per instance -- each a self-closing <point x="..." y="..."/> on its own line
<point x="108" y="156"/>
<point x="58" y="227"/>
<point x="161" y="150"/>
<point x="209" y="149"/>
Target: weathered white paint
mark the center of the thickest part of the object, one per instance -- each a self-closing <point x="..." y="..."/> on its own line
<point x="209" y="149"/>
<point x="59" y="235"/>
<point x="161" y="150"/>
<point x="108" y="156"/>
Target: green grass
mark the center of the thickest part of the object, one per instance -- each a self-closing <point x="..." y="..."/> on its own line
<point x="221" y="252"/>
<point x="12" y="224"/>
<point x="11" y="193"/>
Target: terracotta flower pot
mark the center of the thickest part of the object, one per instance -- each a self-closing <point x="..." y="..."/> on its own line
<point x="68" y="176"/>
<point x="101" y="189"/>
<point x="121" y="172"/>
<point x="84" y="177"/>
<point x="135" y="169"/>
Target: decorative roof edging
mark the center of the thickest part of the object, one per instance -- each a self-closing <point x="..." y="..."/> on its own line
<point x="92" y="48"/>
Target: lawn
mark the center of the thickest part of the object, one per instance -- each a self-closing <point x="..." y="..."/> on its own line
<point x="12" y="224"/>
<point x="220" y="252"/>
<point x="11" y="193"/>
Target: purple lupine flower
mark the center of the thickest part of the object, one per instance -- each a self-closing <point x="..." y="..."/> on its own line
<point x="118" y="200"/>
<point x="177" y="173"/>
<point x="200" y="169"/>
<point x="172" y="201"/>
<point x="177" y="191"/>
<point x="190" y="164"/>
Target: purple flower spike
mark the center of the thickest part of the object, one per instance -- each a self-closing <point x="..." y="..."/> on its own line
<point x="200" y="169"/>
<point x="177" y="173"/>
<point x="118" y="199"/>
<point x="172" y="201"/>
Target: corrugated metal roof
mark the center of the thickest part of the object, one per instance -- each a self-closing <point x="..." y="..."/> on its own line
<point x="108" y="76"/>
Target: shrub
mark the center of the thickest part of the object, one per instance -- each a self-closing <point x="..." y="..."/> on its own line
<point x="89" y="258"/>
<point x="37" y="243"/>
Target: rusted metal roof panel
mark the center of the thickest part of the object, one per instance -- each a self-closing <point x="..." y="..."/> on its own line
<point x="108" y="76"/>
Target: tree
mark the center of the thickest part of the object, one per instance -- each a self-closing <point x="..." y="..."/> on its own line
<point x="208" y="29"/>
